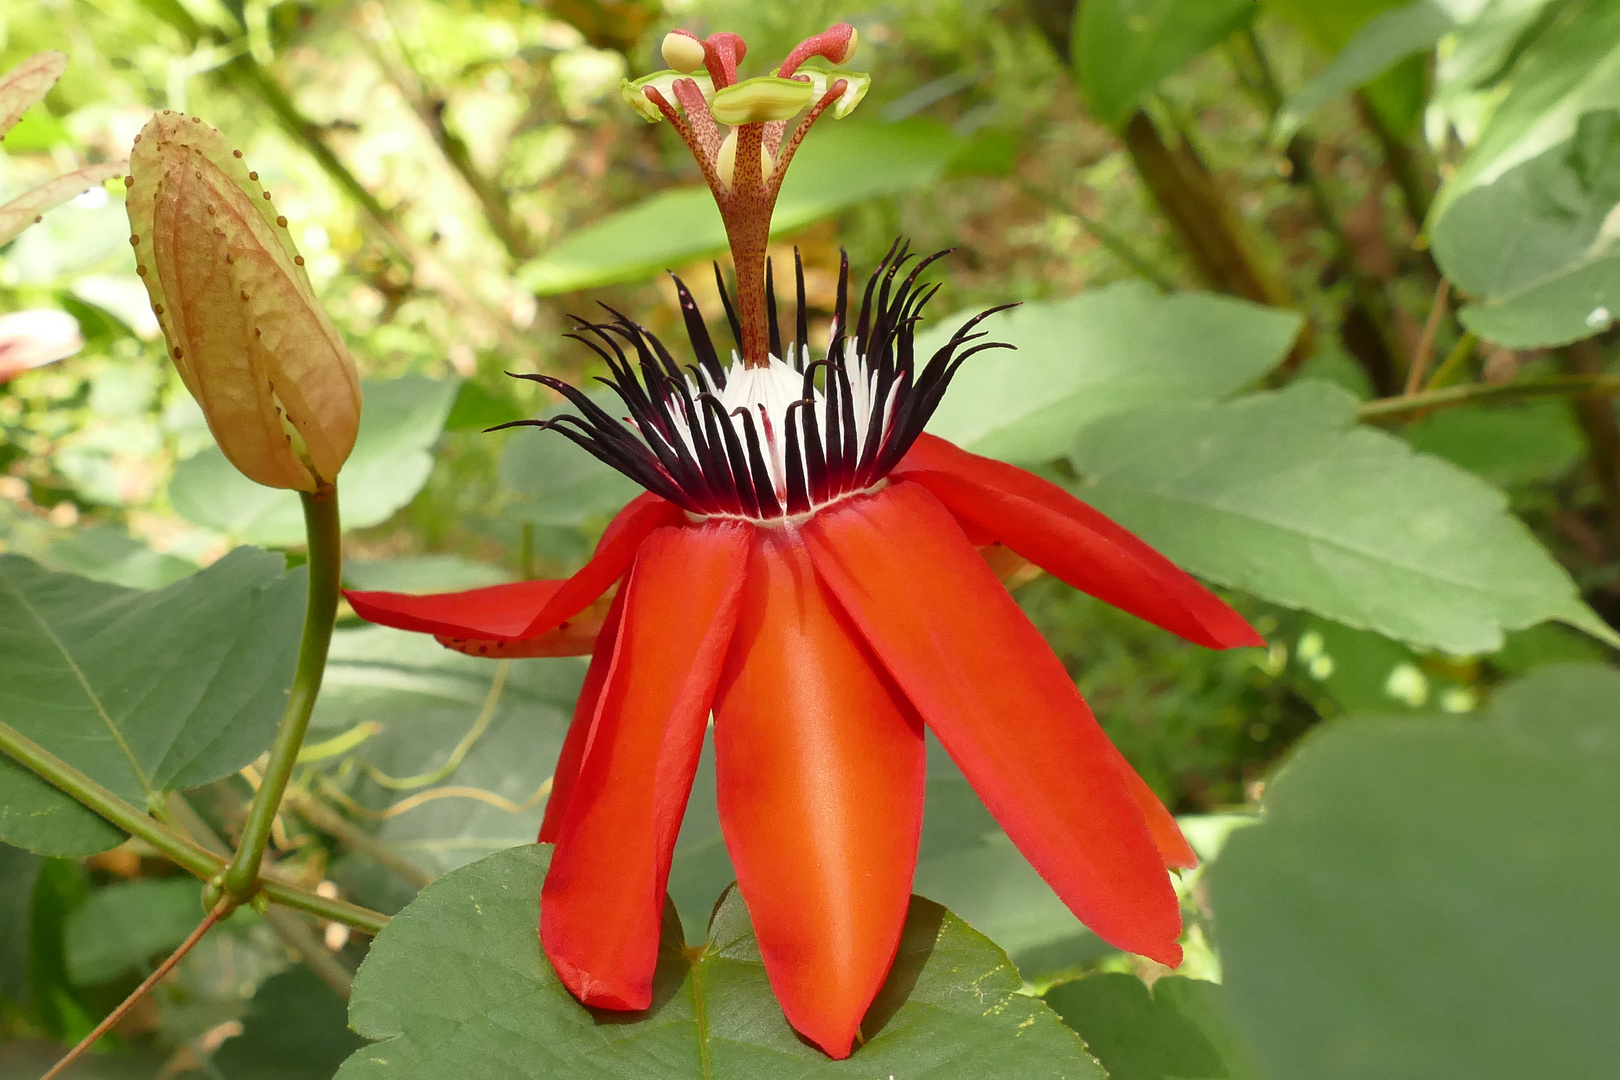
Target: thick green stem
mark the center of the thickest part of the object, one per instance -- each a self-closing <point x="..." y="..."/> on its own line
<point x="181" y="851"/>
<point x="71" y="781"/>
<point x="1394" y="409"/>
<point x="320" y="611"/>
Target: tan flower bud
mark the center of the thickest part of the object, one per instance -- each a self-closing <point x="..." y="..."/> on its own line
<point x="244" y="329"/>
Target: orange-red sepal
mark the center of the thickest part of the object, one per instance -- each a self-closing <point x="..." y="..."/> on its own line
<point x="1002" y="705"/>
<point x="523" y="609"/>
<point x="1072" y="541"/>
<point x="820" y="765"/>
<point x="602" y="902"/>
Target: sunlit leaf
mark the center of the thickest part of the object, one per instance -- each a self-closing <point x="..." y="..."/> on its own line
<point x="1398" y="95"/>
<point x="26" y="85"/>
<point x="146" y="692"/>
<point x="1573" y="70"/>
<point x="1104" y="351"/>
<point x="400" y="421"/>
<point x="1389" y="37"/>
<point x="1282" y="496"/>
<point x="1124" y="48"/>
<point x="1535" y="249"/>
<point x="1428" y="896"/>
<point x="951" y="1007"/>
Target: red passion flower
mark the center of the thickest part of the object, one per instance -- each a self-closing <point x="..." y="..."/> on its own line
<point x="805" y="565"/>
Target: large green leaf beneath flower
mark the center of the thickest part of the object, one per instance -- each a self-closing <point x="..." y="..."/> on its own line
<point x="1533" y="249"/>
<point x="839" y="165"/>
<point x="1573" y="70"/>
<point x="417" y="702"/>
<point x="146" y="692"/>
<point x="1282" y="496"/>
<point x="1124" y="48"/>
<point x="1434" y="896"/>
<point x="1104" y="351"/>
<point x="124" y="926"/>
<point x="1175" y="1030"/>
<point x="400" y="421"/>
<point x="951" y="1007"/>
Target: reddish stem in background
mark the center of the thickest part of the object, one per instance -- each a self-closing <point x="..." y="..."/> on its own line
<point x="220" y="910"/>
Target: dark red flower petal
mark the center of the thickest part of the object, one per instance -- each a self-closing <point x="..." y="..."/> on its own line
<point x="1003" y="707"/>
<point x="581" y="726"/>
<point x="1074" y="542"/>
<point x="820" y="764"/>
<point x="524" y="609"/>
<point x="603" y="899"/>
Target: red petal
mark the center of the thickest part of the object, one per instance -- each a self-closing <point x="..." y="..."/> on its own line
<point x="1173" y="847"/>
<point x="820" y="764"/>
<point x="524" y="609"/>
<point x="1003" y="706"/>
<point x="579" y="728"/>
<point x="603" y="899"/>
<point x="1074" y="542"/>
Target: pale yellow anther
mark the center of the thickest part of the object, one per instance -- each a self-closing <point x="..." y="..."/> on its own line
<point x="849" y="48"/>
<point x="682" y="52"/>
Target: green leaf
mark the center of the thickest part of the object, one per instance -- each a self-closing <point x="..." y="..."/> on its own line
<point x="1104" y="351"/>
<point x="1430" y="897"/>
<point x="1573" y="70"/>
<point x="1398" y="95"/>
<point x="424" y="701"/>
<point x="1283" y="496"/>
<point x="1176" y="1030"/>
<point x="1122" y="49"/>
<point x="839" y="165"/>
<point x="1533" y="248"/>
<point x="1387" y="38"/>
<point x="951" y="1007"/>
<point x="106" y="552"/>
<point x="1530" y="442"/>
<point x="146" y="692"/>
<point x="422" y="573"/>
<point x="556" y="483"/>
<point x="124" y="926"/>
<point x="296" y="1029"/>
<point x="19" y="870"/>
<point x="400" y="420"/>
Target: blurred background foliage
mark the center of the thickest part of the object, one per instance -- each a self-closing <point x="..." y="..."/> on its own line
<point x="462" y="176"/>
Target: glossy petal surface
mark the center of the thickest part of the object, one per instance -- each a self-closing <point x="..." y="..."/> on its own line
<point x="820" y="766"/>
<point x="604" y="898"/>
<point x="582" y="724"/>
<point x="1003" y="706"/>
<point x="1075" y="543"/>
<point x="523" y="609"/>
